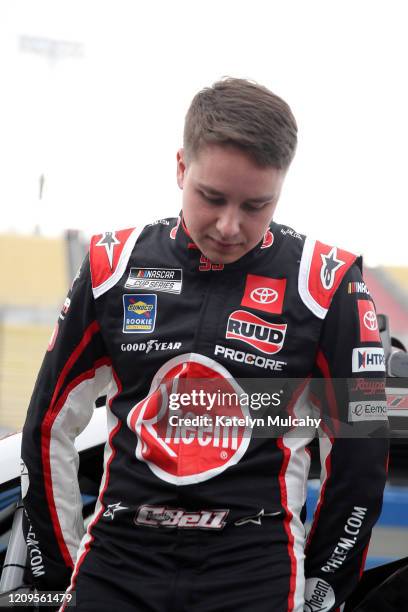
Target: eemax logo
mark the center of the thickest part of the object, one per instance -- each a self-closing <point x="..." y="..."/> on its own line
<point x="365" y="411"/>
<point x="247" y="327"/>
<point x="368" y="360"/>
<point x="162" y="516"/>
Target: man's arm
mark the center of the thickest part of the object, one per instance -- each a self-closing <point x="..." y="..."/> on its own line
<point x="352" y="398"/>
<point x="74" y="372"/>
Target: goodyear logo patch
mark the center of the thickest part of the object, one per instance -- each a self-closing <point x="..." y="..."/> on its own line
<point x="139" y="313"/>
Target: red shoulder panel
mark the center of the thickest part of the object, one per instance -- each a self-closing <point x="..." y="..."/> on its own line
<point x="328" y="266"/>
<point x="105" y="252"/>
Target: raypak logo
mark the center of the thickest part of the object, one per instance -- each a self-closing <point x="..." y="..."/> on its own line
<point x="139" y="313"/>
<point x="368" y="360"/>
<point x="264" y="336"/>
<point x="263" y="293"/>
<point x="368" y="321"/>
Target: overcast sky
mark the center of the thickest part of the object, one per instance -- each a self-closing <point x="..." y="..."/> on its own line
<point x="102" y="118"/>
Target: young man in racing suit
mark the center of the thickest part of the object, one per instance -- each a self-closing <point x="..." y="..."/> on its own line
<point x="207" y="515"/>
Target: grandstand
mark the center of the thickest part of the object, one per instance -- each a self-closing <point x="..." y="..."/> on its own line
<point x="35" y="274"/>
<point x="34" y="279"/>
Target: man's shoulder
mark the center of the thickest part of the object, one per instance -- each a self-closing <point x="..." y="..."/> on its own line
<point x="110" y="251"/>
<point x="322" y="267"/>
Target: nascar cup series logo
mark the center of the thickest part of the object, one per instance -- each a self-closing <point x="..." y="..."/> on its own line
<point x="183" y="454"/>
<point x="264" y="336"/>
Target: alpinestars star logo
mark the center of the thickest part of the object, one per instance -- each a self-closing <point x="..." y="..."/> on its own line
<point x="330" y="265"/>
<point x="112" y="508"/>
<point x="256" y="519"/>
<point x="109" y="241"/>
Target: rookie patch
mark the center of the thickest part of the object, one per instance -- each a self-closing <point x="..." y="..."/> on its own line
<point x="139" y="313"/>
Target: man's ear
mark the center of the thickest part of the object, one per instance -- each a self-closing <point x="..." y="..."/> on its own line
<point x="181" y="168"/>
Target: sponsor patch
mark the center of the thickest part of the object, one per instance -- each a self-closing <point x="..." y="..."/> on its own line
<point x="162" y="516"/>
<point x="267" y="240"/>
<point x="319" y="596"/>
<point x="170" y="448"/>
<point x="368" y="321"/>
<point x="330" y="265"/>
<point x="367" y="386"/>
<point x="357" y="287"/>
<point x="112" y="508"/>
<point x="263" y="293"/>
<point x="367" y="411"/>
<point x="150" y="345"/>
<point x="109" y="241"/>
<point x="264" y="336"/>
<point x="65" y="308"/>
<point x="288" y="231"/>
<point x="159" y="221"/>
<point x="169" y="280"/>
<point x="139" y="313"/>
<point x="258" y="361"/>
<point x="368" y="360"/>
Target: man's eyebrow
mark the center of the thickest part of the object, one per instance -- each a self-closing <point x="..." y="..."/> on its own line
<point x="219" y="194"/>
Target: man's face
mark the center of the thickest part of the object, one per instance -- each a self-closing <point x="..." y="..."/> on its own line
<point x="228" y="200"/>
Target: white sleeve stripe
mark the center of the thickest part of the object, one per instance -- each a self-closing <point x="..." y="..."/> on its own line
<point x="73" y="417"/>
<point x="295" y="478"/>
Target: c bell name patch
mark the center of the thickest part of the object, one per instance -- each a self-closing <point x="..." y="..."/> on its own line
<point x="139" y="313"/>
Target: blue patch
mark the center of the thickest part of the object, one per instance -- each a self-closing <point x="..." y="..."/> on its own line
<point x="139" y="313"/>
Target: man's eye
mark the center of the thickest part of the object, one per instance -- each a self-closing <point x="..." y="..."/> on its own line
<point x="212" y="199"/>
<point x="255" y="207"/>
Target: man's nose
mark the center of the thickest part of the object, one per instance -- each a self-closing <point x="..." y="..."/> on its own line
<point x="228" y="222"/>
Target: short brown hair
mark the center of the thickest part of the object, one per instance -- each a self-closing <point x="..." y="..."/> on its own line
<point x="244" y="114"/>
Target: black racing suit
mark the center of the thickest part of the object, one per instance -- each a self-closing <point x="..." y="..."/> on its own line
<point x="208" y="516"/>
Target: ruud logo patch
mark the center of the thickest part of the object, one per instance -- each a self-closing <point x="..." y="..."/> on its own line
<point x="247" y="327"/>
<point x="156" y="279"/>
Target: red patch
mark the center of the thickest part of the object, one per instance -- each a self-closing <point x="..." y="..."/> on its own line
<point x="263" y="293"/>
<point x="327" y="269"/>
<point x="184" y="452"/>
<point x="368" y="322"/>
<point x="105" y="253"/>
<point x="267" y="240"/>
